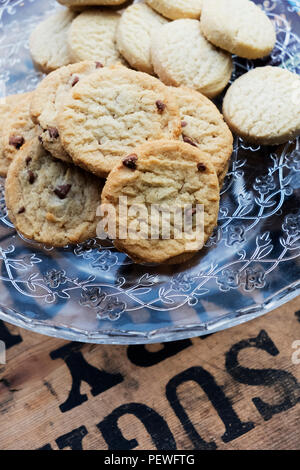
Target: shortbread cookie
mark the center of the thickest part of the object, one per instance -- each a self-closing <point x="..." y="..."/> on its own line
<point x="17" y="129"/>
<point x="92" y="37"/>
<point x="182" y="56"/>
<point x="48" y="42"/>
<point x="169" y="175"/>
<point x="263" y="106"/>
<point x="110" y="112"/>
<point x="203" y="127"/>
<point x="136" y="25"/>
<point x="50" y="201"/>
<point x="88" y="3"/>
<point x="48" y="99"/>
<point x="176" y="9"/>
<point x="238" y="26"/>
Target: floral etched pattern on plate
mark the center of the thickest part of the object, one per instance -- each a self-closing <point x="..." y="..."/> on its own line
<point x="92" y="293"/>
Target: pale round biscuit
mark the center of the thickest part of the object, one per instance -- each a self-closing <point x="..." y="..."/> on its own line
<point x="50" y="201"/>
<point x="182" y="56"/>
<point x="90" y="3"/>
<point x="110" y="112"/>
<point x="176" y="9"/>
<point x="238" y="26"/>
<point x="18" y="128"/>
<point x="134" y="31"/>
<point x="203" y="127"/>
<point x="92" y="37"/>
<point x="263" y="106"/>
<point x="49" y="97"/>
<point x="169" y="174"/>
<point x="48" y="42"/>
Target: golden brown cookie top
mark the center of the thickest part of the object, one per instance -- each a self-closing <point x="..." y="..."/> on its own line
<point x="169" y="174"/>
<point x="112" y="111"/>
<point x="203" y="127"/>
<point x="50" y="201"/>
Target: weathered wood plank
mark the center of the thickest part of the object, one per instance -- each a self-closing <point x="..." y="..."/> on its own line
<point x="237" y="389"/>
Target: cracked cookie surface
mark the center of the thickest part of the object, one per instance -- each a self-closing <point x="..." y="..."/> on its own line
<point x="238" y="26"/>
<point x="48" y="42"/>
<point x="138" y="21"/>
<point x="112" y="111"/>
<point x="176" y="9"/>
<point x="18" y="128"/>
<point x="92" y="36"/>
<point x="203" y="126"/>
<point x="181" y="56"/>
<point x="171" y="175"/>
<point x="50" y="201"/>
<point x="5" y="109"/>
<point x="263" y="106"/>
<point x="49" y="97"/>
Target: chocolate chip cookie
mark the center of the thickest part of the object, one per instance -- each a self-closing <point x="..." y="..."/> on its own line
<point x="18" y="128"/>
<point x="50" y="201"/>
<point x="112" y="111"/>
<point x="203" y="127"/>
<point x="172" y="176"/>
<point x="48" y="99"/>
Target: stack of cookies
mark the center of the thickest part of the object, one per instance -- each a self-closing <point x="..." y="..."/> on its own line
<point x="125" y="112"/>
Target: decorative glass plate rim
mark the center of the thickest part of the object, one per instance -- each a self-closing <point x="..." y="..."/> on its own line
<point x="117" y="335"/>
<point x="177" y="333"/>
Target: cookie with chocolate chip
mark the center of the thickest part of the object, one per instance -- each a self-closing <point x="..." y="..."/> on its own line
<point x="48" y="99"/>
<point x="6" y="105"/>
<point x="203" y="127"/>
<point x="111" y="111"/>
<point x="167" y="176"/>
<point x="17" y="128"/>
<point x="51" y="201"/>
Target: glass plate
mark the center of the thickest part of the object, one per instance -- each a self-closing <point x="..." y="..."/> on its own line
<point x="92" y="293"/>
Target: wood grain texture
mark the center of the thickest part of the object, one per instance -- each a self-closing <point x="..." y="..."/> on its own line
<point x="159" y="401"/>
